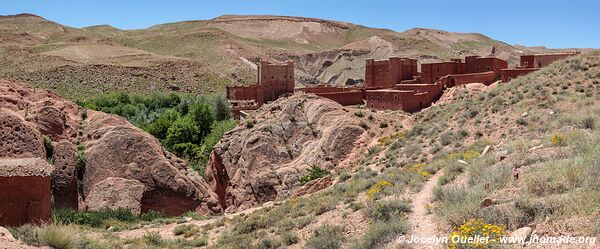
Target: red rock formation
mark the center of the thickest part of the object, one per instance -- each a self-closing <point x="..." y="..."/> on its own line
<point x="64" y="178"/>
<point x="19" y="138"/>
<point x="251" y="166"/>
<point x="115" y="148"/>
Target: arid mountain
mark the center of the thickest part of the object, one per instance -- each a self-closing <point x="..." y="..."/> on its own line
<point x="204" y="56"/>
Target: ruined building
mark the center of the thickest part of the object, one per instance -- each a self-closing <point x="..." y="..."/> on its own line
<point x="393" y="84"/>
<point x="272" y="82"/>
<point x="531" y="63"/>
<point x="25" y="195"/>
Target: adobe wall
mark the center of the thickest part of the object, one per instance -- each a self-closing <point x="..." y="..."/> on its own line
<point x="416" y="102"/>
<point x="252" y="92"/>
<point x="24" y="199"/>
<point x="344" y="98"/>
<point x="275" y="79"/>
<point x="433" y="91"/>
<point x="476" y="64"/>
<point x="462" y="79"/>
<point x="386" y="73"/>
<point x="547" y="59"/>
<point x="377" y="74"/>
<point x="432" y="72"/>
<point x="408" y="101"/>
<point x="527" y="61"/>
<point x="509" y="74"/>
<point x="327" y="89"/>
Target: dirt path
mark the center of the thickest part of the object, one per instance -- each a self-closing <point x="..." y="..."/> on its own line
<point x="420" y="220"/>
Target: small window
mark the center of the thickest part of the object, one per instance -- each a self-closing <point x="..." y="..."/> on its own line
<point x="438" y="69"/>
<point x="539" y="64"/>
<point x="526" y="63"/>
<point x="380" y="71"/>
<point x="477" y="68"/>
<point x="488" y="68"/>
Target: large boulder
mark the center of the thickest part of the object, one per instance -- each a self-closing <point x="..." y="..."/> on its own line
<point x="115" y="148"/>
<point x="19" y="138"/>
<point x="64" y="178"/>
<point x="115" y="193"/>
<point x="251" y="166"/>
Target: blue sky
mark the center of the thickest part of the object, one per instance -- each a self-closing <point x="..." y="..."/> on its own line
<point x="551" y="23"/>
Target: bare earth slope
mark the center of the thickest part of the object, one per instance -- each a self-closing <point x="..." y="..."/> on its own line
<point x="204" y="56"/>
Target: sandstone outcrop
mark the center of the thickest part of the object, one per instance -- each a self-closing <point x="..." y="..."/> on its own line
<point x="115" y="193"/>
<point x="64" y="178"/>
<point x="49" y="113"/>
<point x="115" y="148"/>
<point x="251" y="166"/>
<point x="19" y="138"/>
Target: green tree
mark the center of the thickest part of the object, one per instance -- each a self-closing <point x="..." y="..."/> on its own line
<point x="183" y="130"/>
<point x="202" y="114"/>
<point x="222" y="110"/>
<point x="160" y="126"/>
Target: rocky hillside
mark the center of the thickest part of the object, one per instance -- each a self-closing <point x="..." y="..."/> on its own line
<point x="204" y="56"/>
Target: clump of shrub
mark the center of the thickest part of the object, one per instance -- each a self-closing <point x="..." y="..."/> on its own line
<point x="380" y="233"/>
<point x="153" y="238"/>
<point x="326" y="237"/>
<point x="386" y="210"/>
<point x="588" y="123"/>
<point x="558" y="140"/>
<point x="57" y="236"/>
<point x="101" y="217"/>
<point x="289" y="238"/>
<point x="521" y="121"/>
<point x="187" y="230"/>
<point x="378" y="188"/>
<point x="49" y="147"/>
<point x="314" y="173"/>
<point x="363" y="125"/>
<point x="473" y="229"/>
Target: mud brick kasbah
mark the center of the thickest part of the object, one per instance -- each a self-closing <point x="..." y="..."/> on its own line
<point x="392" y="84"/>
